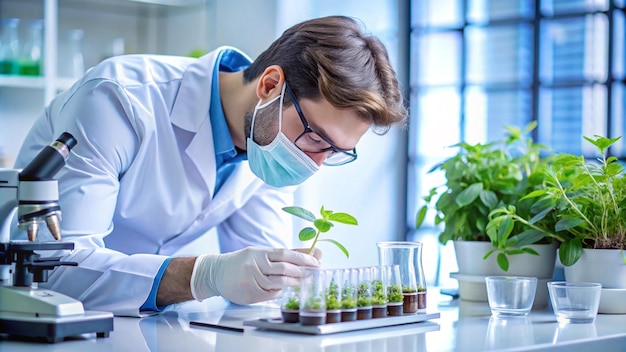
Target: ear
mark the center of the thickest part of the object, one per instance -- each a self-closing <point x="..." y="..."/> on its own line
<point x="270" y="83"/>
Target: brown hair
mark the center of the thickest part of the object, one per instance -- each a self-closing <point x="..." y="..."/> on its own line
<point x="332" y="57"/>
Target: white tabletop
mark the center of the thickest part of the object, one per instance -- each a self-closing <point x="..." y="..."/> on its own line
<point x="462" y="326"/>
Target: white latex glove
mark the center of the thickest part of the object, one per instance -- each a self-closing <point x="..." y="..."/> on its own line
<point x="249" y="275"/>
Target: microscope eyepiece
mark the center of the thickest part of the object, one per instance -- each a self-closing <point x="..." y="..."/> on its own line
<point x="67" y="139"/>
<point x="49" y="160"/>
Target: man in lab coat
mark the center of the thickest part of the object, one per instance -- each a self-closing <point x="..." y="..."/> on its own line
<point x="171" y="147"/>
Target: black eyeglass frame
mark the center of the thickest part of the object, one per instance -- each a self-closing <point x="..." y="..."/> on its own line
<point x="350" y="154"/>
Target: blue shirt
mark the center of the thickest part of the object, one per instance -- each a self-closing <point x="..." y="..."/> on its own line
<point x="226" y="155"/>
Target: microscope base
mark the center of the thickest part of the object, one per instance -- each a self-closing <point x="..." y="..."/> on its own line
<point x="53" y="329"/>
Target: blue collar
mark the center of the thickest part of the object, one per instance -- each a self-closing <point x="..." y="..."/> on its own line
<point x="229" y="61"/>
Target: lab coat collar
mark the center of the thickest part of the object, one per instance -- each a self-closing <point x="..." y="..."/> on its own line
<point x="191" y="108"/>
<point x="191" y="112"/>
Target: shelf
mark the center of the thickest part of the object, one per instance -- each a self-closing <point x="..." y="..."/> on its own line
<point x="63" y="83"/>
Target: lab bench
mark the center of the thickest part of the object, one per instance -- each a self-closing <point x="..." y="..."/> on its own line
<point x="461" y="326"/>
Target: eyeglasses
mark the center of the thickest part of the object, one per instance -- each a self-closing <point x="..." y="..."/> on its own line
<point x="312" y="142"/>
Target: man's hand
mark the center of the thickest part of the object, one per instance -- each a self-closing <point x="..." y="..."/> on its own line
<point x="249" y="275"/>
<point x="317" y="253"/>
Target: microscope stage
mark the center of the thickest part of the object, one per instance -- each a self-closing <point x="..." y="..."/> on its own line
<point x="54" y="328"/>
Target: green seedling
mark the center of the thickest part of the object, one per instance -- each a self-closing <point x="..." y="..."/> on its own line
<point x="379" y="296"/>
<point x="333" y="296"/>
<point x="348" y="297"/>
<point x="293" y="304"/>
<point x="394" y="293"/>
<point x="322" y="225"/>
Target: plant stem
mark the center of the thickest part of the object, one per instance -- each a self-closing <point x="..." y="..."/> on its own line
<point x="533" y="226"/>
<point x="317" y="235"/>
<point x="572" y="205"/>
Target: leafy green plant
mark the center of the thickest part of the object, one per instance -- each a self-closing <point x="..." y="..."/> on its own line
<point x="348" y="299"/>
<point x="394" y="293"/>
<point x="333" y="296"/>
<point x="379" y="296"/>
<point x="313" y="303"/>
<point x="292" y="303"/>
<point x="321" y="225"/>
<point x="585" y="201"/>
<point x="291" y="298"/>
<point x="364" y="295"/>
<point x="481" y="178"/>
<point x="408" y="289"/>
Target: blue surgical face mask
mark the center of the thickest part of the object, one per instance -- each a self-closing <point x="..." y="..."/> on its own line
<point x="279" y="163"/>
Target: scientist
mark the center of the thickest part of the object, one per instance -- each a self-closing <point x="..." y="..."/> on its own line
<point x="172" y="147"/>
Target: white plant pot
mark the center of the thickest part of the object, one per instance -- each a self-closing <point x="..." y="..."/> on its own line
<point x="607" y="267"/>
<point x="473" y="269"/>
<point x="469" y="256"/>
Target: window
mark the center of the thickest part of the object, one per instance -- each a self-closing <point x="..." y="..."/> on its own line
<point x="478" y="65"/>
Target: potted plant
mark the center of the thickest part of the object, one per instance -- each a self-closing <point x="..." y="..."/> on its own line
<point x="333" y="299"/>
<point x="312" y="298"/>
<point x="587" y="200"/>
<point x="409" y="294"/>
<point x="290" y="304"/>
<point x="379" y="299"/>
<point x="349" y="296"/>
<point x="479" y="179"/>
<point x="364" y="300"/>
<point x="396" y="299"/>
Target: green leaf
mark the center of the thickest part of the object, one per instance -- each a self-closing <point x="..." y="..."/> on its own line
<point x="489" y="198"/>
<point x="300" y="212"/>
<point x="421" y="215"/>
<point x="602" y="143"/>
<point x="530" y="126"/>
<point x="515" y="251"/>
<point x="322" y="225"/>
<point x="541" y="215"/>
<point x="505" y="228"/>
<point x="528" y="237"/>
<point x="503" y="261"/>
<point x="570" y="251"/>
<point x="325" y="213"/>
<point x="468" y="195"/>
<point x="339" y="245"/>
<point x="568" y="223"/>
<point x="534" y="194"/>
<point x="343" y="218"/>
<point x="530" y="251"/>
<point x="307" y="233"/>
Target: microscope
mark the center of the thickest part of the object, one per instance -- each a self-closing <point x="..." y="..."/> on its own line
<point x="25" y="310"/>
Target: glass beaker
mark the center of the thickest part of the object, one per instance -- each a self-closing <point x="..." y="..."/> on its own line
<point x="379" y="292"/>
<point x="408" y="255"/>
<point x="393" y="282"/>
<point x="31" y="59"/>
<point x="364" y="294"/>
<point x="75" y="37"/>
<point x="333" y="287"/>
<point x="290" y="304"/>
<point x="9" y="46"/>
<point x="349" y="294"/>
<point x="312" y="297"/>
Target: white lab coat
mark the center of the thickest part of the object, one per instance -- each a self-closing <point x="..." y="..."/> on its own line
<point x="139" y="184"/>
